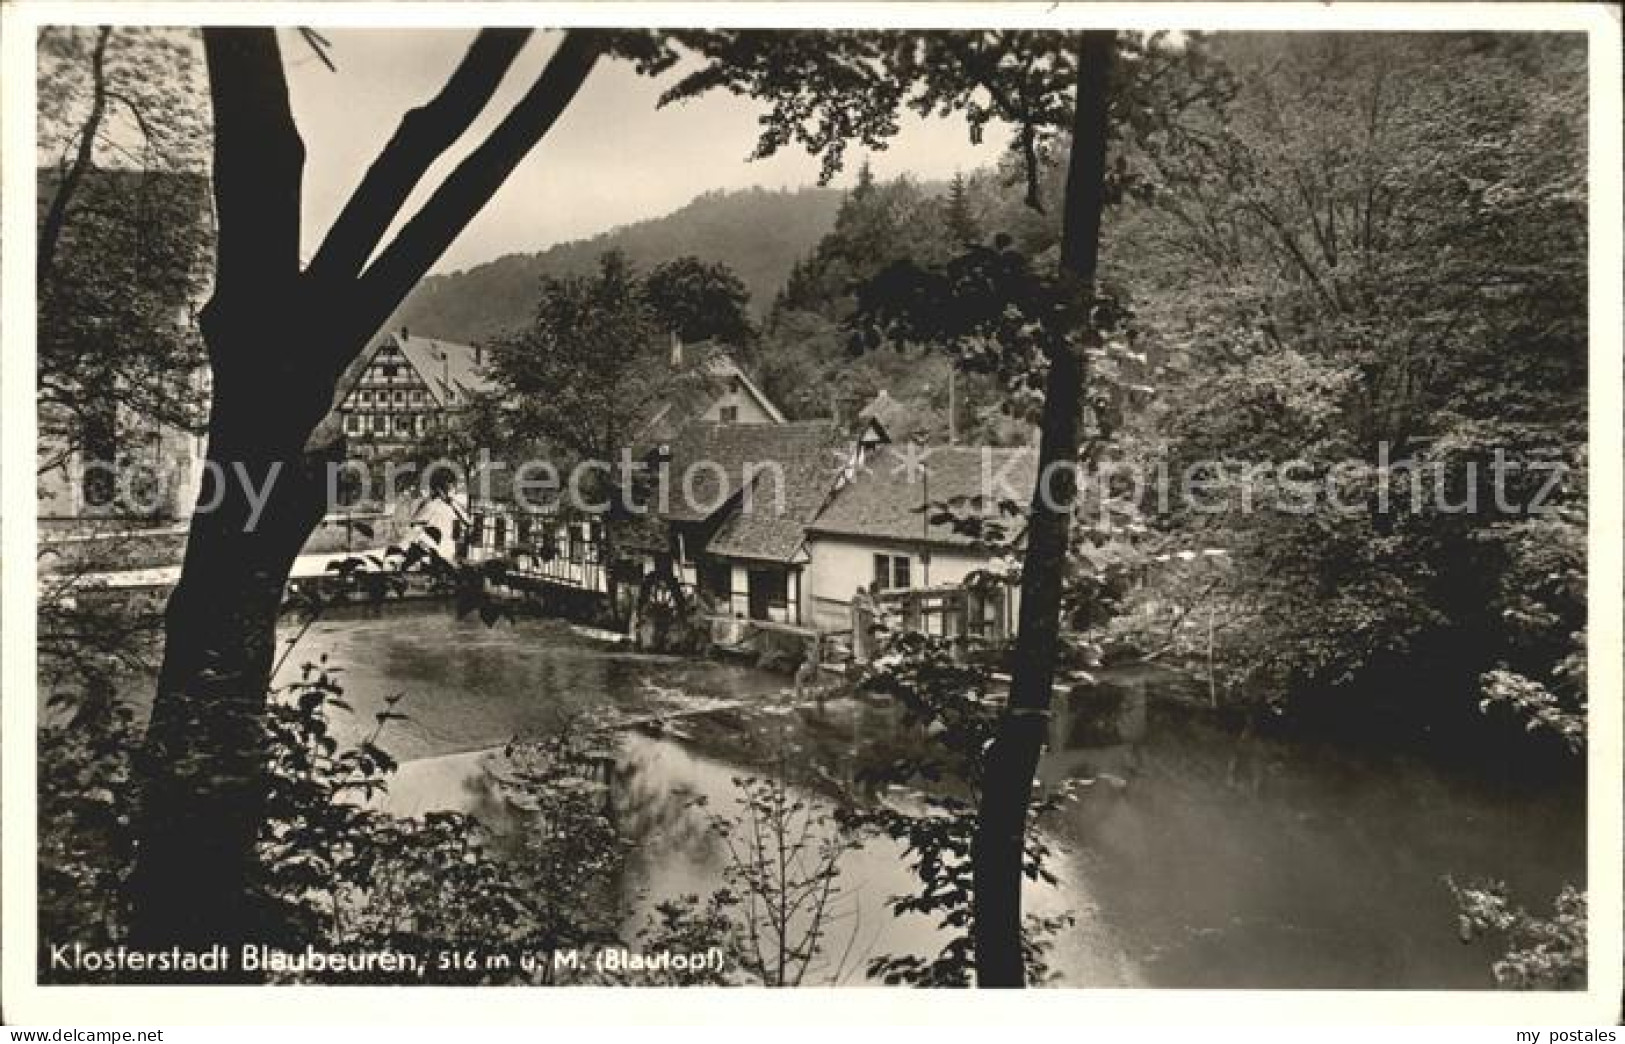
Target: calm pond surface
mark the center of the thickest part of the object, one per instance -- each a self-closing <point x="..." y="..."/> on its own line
<point x="1197" y="859"/>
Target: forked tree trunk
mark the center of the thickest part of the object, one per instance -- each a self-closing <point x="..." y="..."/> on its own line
<point x="1012" y="759"/>
<point x="278" y="335"/>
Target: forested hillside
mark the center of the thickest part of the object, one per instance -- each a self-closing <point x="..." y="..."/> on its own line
<point x="759" y="233"/>
<point x="1314" y="283"/>
<point x="804" y="358"/>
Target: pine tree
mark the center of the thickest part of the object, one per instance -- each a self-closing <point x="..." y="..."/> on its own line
<point x="962" y="225"/>
<point x="866" y="181"/>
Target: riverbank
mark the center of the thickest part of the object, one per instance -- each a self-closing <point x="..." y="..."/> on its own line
<point x="1198" y="853"/>
<point x="1201" y="856"/>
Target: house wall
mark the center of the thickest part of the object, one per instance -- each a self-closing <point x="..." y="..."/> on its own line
<point x="738" y="603"/>
<point x="391" y="403"/>
<point x="500" y="532"/>
<point x="840" y="564"/>
<point x="160" y="471"/>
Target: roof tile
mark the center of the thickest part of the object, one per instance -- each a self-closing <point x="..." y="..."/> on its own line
<point x="887" y="497"/>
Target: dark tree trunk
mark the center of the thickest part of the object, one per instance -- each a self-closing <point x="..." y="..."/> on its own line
<point x="203" y="763"/>
<point x="1012" y="759"/>
<point x="278" y="338"/>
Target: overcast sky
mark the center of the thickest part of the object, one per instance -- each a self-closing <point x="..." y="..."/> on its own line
<point x="611" y="159"/>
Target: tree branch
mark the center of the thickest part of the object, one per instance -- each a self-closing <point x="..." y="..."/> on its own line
<point x="455" y="203"/>
<point x="135" y="114"/>
<point x="1085" y="193"/>
<point x="423" y="135"/>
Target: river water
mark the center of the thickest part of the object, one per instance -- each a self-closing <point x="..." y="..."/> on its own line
<point x="1197" y="859"/>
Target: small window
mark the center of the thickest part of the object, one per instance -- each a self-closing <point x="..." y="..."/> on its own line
<point x="400" y="397"/>
<point x="417" y="395"/>
<point x="352" y="424"/>
<point x="380" y="422"/>
<point x="403" y="424"/>
<point x="730" y="414"/>
<point x="501" y="532"/>
<point x="390" y="370"/>
<point x="773" y="586"/>
<point x="366" y="398"/>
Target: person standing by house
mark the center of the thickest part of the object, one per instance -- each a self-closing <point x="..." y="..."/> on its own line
<point x="863" y="625"/>
<point x="440" y="525"/>
<point x="806" y="677"/>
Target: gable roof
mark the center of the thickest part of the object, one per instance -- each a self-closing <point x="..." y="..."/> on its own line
<point x="721" y="366"/>
<point x="887" y="496"/>
<point x="769" y="520"/>
<point x="692" y="394"/>
<point x="453" y="371"/>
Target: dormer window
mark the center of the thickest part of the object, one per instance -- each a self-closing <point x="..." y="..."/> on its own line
<point x="730" y="414"/>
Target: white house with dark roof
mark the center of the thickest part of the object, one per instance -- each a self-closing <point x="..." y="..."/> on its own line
<point x="754" y="565"/>
<point x="882" y="531"/>
<point x="727" y="518"/>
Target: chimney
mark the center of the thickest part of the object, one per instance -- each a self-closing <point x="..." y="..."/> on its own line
<point x="406" y="335"/>
<point x="676" y="351"/>
<point x="479" y="355"/>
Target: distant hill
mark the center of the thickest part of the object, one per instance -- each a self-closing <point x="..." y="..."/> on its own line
<point x="759" y="233"/>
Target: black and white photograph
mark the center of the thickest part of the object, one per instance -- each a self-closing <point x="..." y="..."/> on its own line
<point x="829" y="499"/>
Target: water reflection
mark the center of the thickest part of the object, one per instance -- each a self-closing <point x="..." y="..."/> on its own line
<point x="1200" y="856"/>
